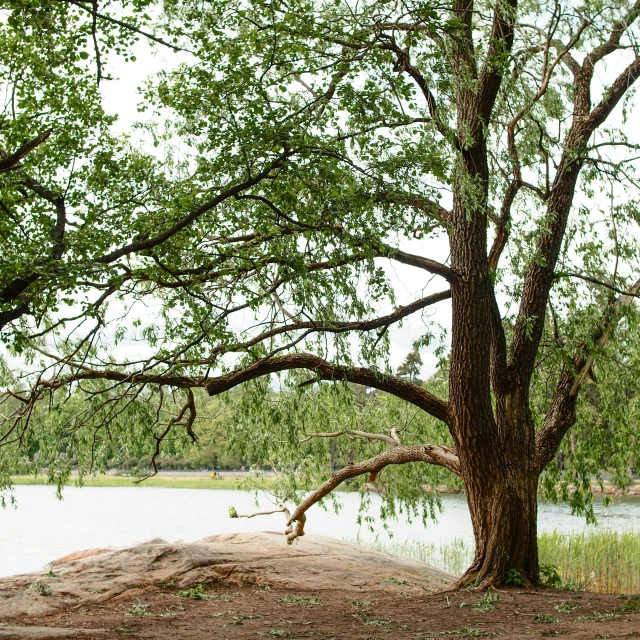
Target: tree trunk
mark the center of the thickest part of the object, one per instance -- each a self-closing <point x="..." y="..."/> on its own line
<point x="504" y="516"/>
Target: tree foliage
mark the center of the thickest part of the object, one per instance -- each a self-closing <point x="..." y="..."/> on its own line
<point x="411" y="365"/>
<point x="289" y="158"/>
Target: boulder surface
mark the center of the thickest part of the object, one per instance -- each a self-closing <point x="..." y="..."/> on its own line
<point x="314" y="563"/>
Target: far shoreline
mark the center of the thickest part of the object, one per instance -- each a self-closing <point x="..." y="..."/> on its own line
<point x="232" y="481"/>
<point x="169" y="481"/>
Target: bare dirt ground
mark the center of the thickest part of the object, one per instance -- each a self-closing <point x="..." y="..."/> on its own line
<point x="253" y="611"/>
<point x="252" y="586"/>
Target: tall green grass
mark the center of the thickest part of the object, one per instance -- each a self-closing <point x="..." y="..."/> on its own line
<point x="606" y="561"/>
<point x="602" y="560"/>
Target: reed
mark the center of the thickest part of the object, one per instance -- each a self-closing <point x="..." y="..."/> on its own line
<point x="598" y="560"/>
<point x="605" y="561"/>
<point x="454" y="556"/>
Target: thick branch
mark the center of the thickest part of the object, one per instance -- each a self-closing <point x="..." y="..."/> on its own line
<point x="433" y="209"/>
<point x="567" y="59"/>
<point x="13" y="314"/>
<point x="391" y="384"/>
<point x="9" y="162"/>
<point x="613" y="43"/>
<point x="540" y="273"/>
<point x="432" y="454"/>
<point x="464" y="58"/>
<point x="404" y="65"/>
<point x="21" y="283"/>
<point x="501" y="42"/>
<point x="432" y="266"/>
<point x="58" y="231"/>
<point x="503" y="223"/>
<point x="614" y="95"/>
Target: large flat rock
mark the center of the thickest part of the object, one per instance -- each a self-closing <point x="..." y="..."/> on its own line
<point x="314" y="563"/>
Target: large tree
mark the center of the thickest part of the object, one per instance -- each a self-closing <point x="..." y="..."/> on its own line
<point x="306" y="148"/>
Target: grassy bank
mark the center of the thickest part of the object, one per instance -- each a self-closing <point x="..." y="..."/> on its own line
<point x="602" y="561"/>
<point x="167" y="482"/>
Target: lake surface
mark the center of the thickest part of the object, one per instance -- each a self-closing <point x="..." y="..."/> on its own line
<point x="43" y="528"/>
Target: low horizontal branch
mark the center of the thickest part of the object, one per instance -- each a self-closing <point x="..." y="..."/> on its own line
<point x="440" y="455"/>
<point x="391" y="441"/>
<point x="394" y="385"/>
<point x="234" y="514"/>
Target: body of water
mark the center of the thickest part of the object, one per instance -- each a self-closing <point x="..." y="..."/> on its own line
<point x="43" y="528"/>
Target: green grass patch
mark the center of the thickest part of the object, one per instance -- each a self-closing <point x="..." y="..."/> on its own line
<point x="197" y="592"/>
<point x="545" y="618"/>
<point x="486" y="603"/>
<point x="138" y="609"/>
<point x="600" y="616"/>
<point x="41" y="587"/>
<point x="566" y="607"/>
<point x="467" y="632"/>
<point x="301" y="601"/>
<point x="630" y="604"/>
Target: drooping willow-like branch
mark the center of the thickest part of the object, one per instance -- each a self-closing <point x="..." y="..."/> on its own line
<point x="393" y="385"/>
<point x="188" y="409"/>
<point x="562" y="412"/>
